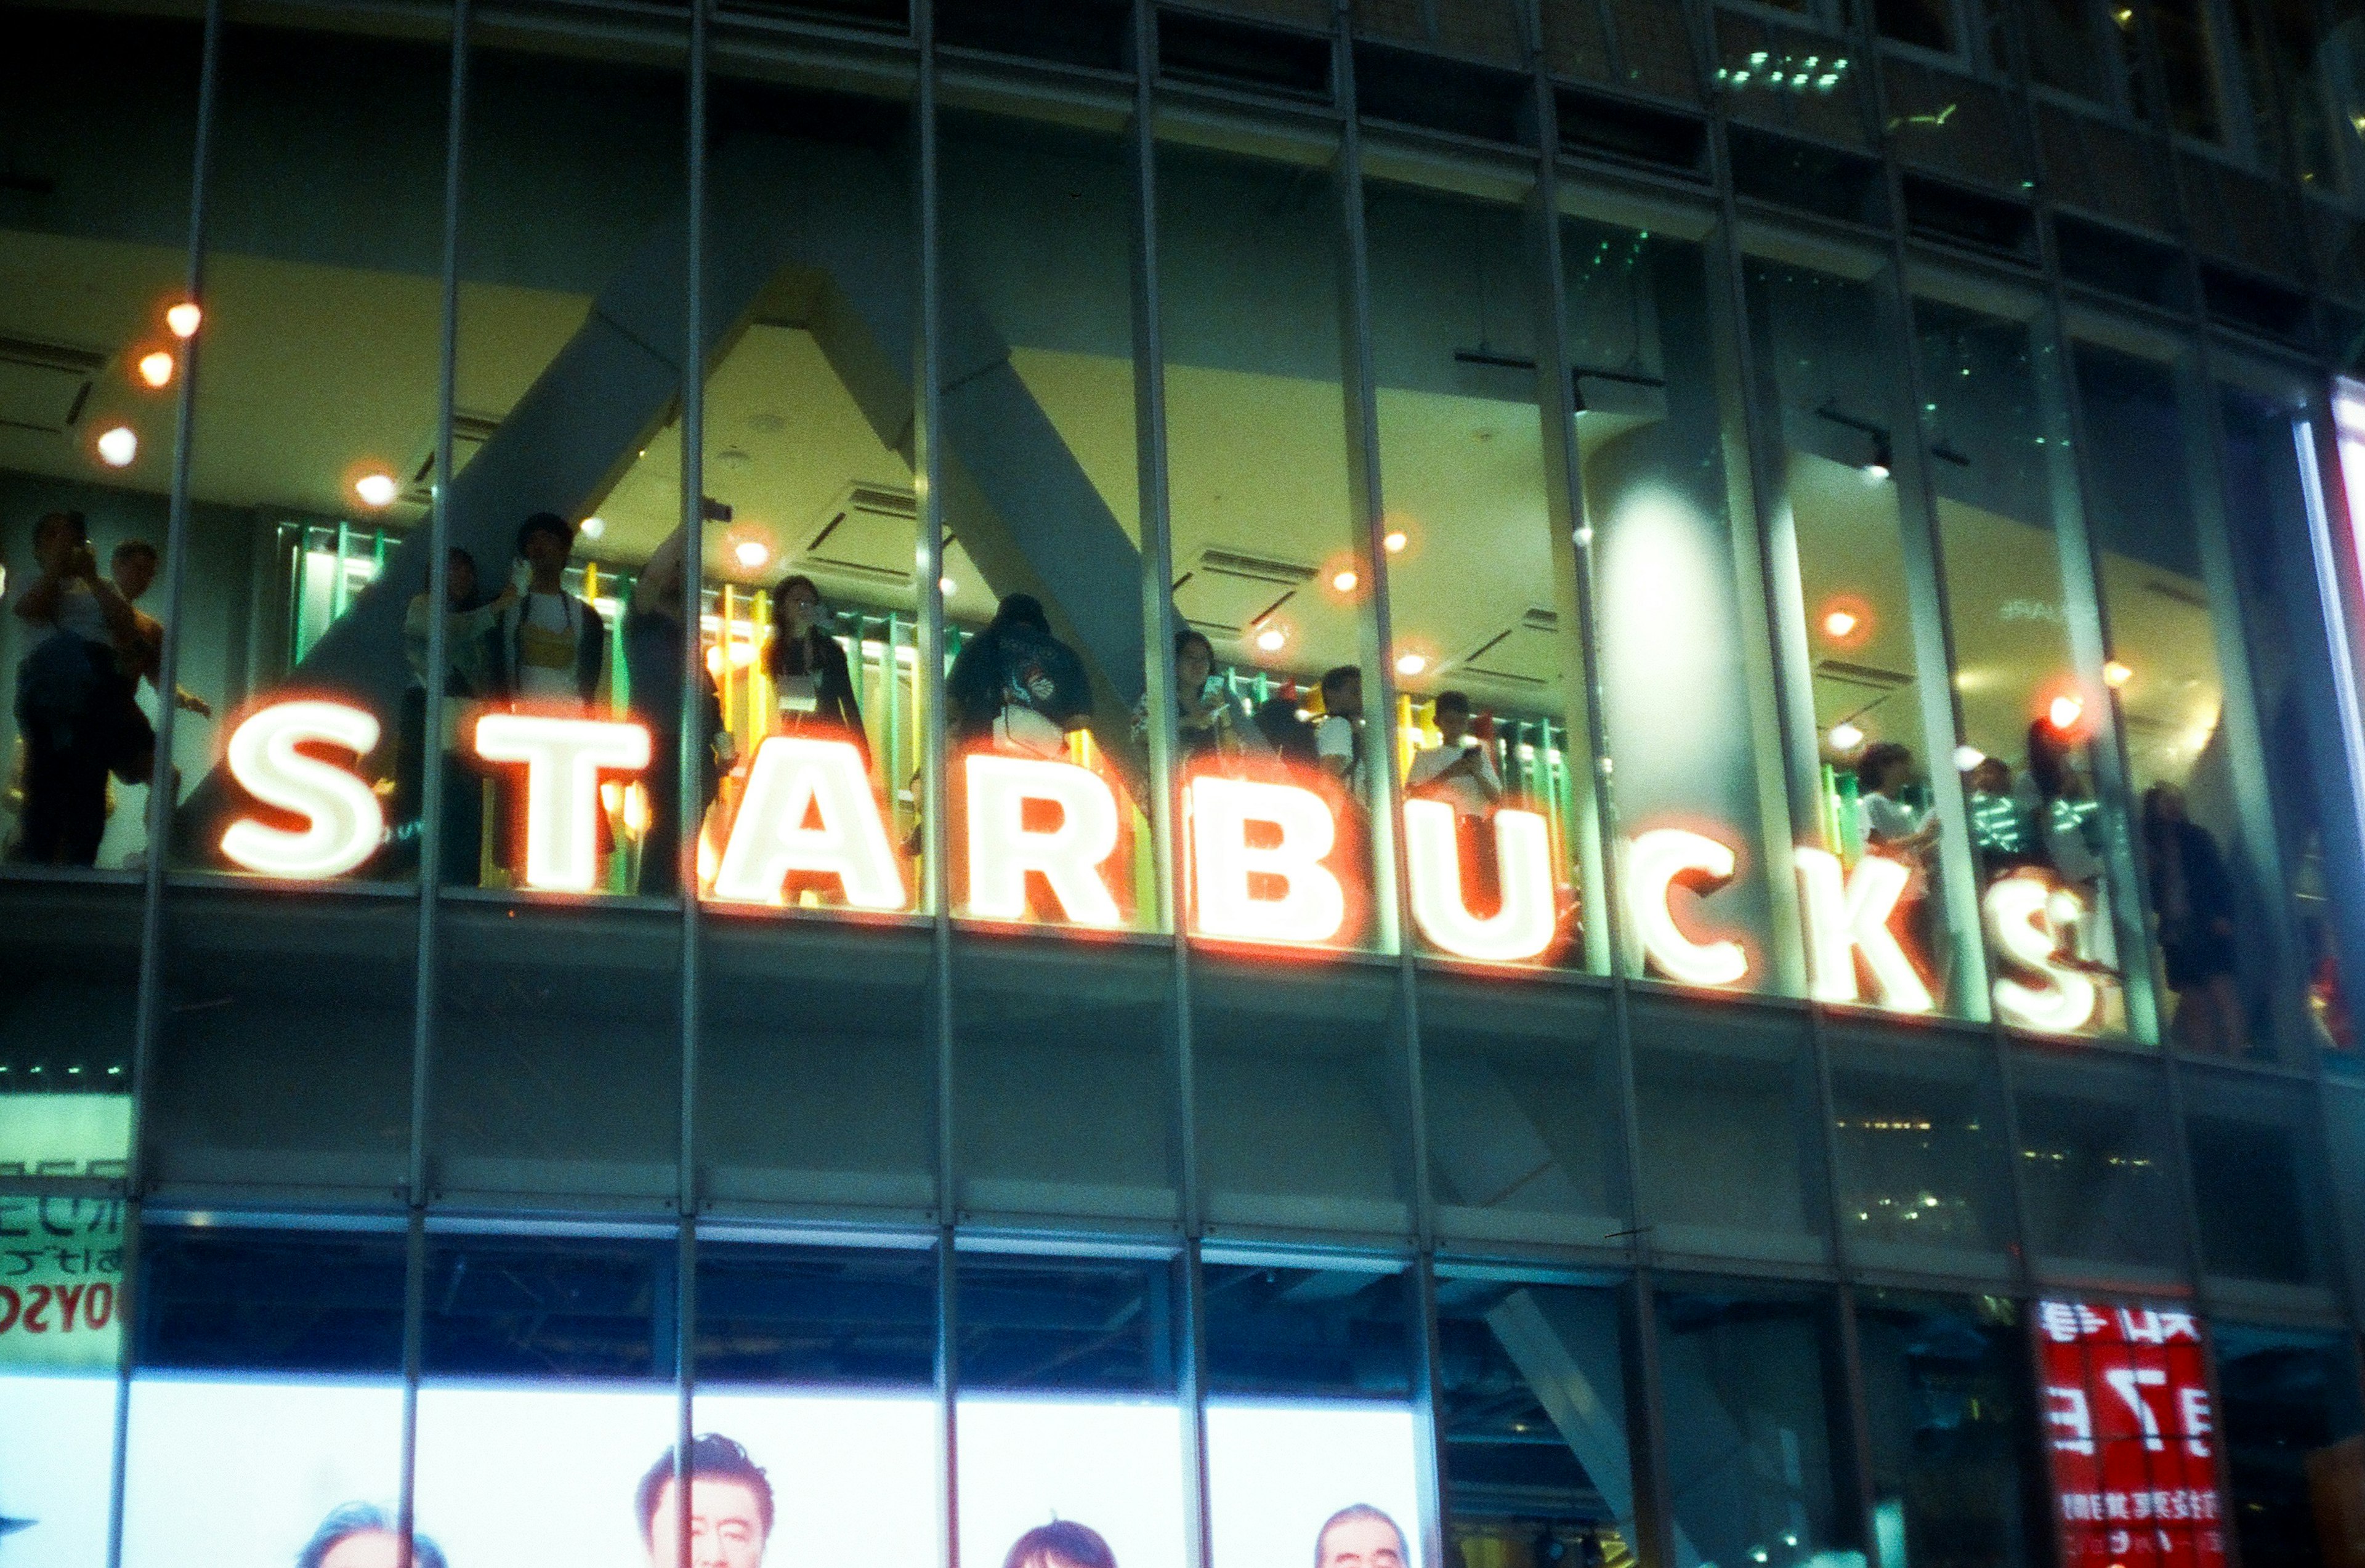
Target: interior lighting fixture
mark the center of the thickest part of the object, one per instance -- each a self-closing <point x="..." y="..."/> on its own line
<point x="1846" y="736"/>
<point x="156" y="369"/>
<point x="377" y="488"/>
<point x="185" y="318"/>
<point x="1411" y="663"/>
<point x="119" y="446"/>
<point x="2063" y="712"/>
<point x="1883" y="461"/>
<point x="1395" y="542"/>
<point x="1967" y="758"/>
<point x="1344" y="579"/>
<point x="1271" y="639"/>
<point x="2116" y="675"/>
<point x="947" y="587"/>
<point x="1839" y="624"/>
<point x="593" y="526"/>
<point x="751" y="554"/>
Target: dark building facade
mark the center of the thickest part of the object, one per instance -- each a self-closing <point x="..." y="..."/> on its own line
<point x="1589" y="770"/>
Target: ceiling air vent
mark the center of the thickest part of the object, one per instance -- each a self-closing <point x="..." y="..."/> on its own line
<point x="866" y="535"/>
<point x="43" y="386"/>
<point x="1226" y="592"/>
<point x="1526" y="653"/>
<point x="469" y="434"/>
<point x="1870" y="678"/>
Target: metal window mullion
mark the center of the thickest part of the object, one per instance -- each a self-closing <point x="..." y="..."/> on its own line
<point x="424" y="987"/>
<point x="927" y="484"/>
<point x="692" y="762"/>
<point x="947" y="1383"/>
<point x="148" y="1005"/>
<point x="1198" y="1545"/>
<point x="1387" y="870"/>
<point x="1159" y="624"/>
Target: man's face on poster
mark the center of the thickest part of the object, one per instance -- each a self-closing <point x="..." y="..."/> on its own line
<point x="1362" y="1543"/>
<point x="365" y="1548"/>
<point x="726" y="1525"/>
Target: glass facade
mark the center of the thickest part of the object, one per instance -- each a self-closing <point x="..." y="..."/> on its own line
<point x="1492" y="785"/>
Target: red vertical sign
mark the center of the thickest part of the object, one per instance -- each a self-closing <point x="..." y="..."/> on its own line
<point x="2130" y="1435"/>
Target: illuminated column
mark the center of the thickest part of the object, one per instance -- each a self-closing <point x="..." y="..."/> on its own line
<point x="1002" y="849"/>
<point x="563" y="760"/>
<point x="798" y="779"/>
<point x="2020" y="926"/>
<point x="1311" y="907"/>
<point x="1851" y="917"/>
<point x="343" y="823"/>
<point x="1656" y="862"/>
<point x="1523" y="927"/>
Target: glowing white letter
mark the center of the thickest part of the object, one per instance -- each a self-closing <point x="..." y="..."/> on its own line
<point x="1523" y="927"/>
<point x="343" y="822"/>
<point x="1002" y="849"/>
<point x="564" y="758"/>
<point x="795" y="776"/>
<point x="1855" y="915"/>
<point x="2021" y="927"/>
<point x="1654" y="860"/>
<point x="1312" y="905"/>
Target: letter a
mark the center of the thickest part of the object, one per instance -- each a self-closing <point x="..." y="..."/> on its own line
<point x="1312" y="905"/>
<point x="343" y="823"/>
<point x="796" y="777"/>
<point x="1523" y="926"/>
<point x="1844" y="919"/>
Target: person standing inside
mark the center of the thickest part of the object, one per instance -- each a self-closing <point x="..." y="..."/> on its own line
<point x="654" y="638"/>
<point x="813" y="683"/>
<point x="1459" y="772"/>
<point x="141" y="657"/>
<point x="70" y="694"/>
<point x="2193" y="895"/>
<point x="552" y="650"/>
<point x="468" y="679"/>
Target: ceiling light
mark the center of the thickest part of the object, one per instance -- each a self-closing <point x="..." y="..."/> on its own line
<point x="2115" y="674"/>
<point x="1344" y="579"/>
<point x="185" y="318"/>
<point x="1839" y="623"/>
<point x="751" y="554"/>
<point x="947" y="587"/>
<point x="2065" y="712"/>
<point x="1847" y="736"/>
<point x="593" y="526"/>
<point x="1396" y="540"/>
<point x="1271" y="639"/>
<point x="119" y="446"/>
<point x="376" y="490"/>
<point x="1967" y="758"/>
<point x="1411" y="663"/>
<point x="1876" y="470"/>
<point x="156" y="369"/>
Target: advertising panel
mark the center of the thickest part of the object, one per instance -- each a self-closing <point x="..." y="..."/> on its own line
<point x="2131" y="1440"/>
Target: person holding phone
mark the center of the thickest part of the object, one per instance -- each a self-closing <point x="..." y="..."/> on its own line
<point x="1210" y="725"/>
<point x="72" y="694"/>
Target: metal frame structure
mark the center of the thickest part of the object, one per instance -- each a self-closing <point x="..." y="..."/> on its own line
<point x="1146" y="97"/>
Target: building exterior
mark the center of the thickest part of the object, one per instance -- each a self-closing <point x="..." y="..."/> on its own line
<point x="1844" y="1057"/>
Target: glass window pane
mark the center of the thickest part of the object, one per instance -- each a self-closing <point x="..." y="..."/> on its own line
<point x="2100" y="1193"/>
<point x="2047" y="838"/>
<point x="1068" y="1419"/>
<point x="69" y="995"/>
<point x="1268" y="547"/>
<point x="1535" y="1411"/>
<point x="2187" y="758"/>
<point x="60" y="1339"/>
<point x="2258" y="1188"/>
<point x="1945" y="1390"/>
<point x="561" y="1349"/>
<point x="2292" y="1452"/>
<point x="1042" y="500"/>
<point x="1522" y="1095"/>
<point x="279" y="1355"/>
<point x="556" y="1061"/>
<point x="2289" y="656"/>
<point x="1492" y="729"/>
<point x="315" y="381"/>
<point x="1310" y="1446"/>
<point x="1688" y="693"/>
<point x="1733" y="1155"/>
<point x="819" y="1363"/>
<point x="1859" y="635"/>
<point x="1754" y="1457"/>
<point x="1919" y="1127"/>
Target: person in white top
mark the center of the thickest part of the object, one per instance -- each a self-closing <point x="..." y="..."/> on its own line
<point x="551" y="647"/>
<point x="1339" y="735"/>
<point x="72" y="696"/>
<point x="1460" y="770"/>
